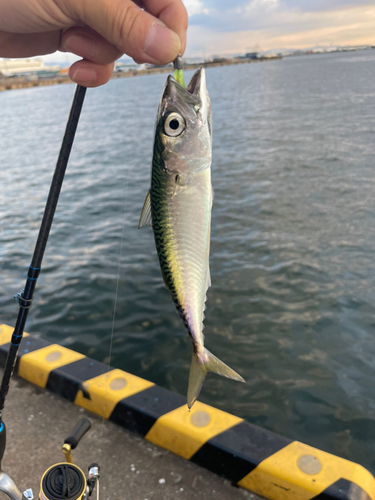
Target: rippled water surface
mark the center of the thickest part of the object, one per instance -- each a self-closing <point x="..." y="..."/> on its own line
<point x="292" y="253"/>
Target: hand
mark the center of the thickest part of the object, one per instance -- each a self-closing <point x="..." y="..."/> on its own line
<point x="99" y="31"/>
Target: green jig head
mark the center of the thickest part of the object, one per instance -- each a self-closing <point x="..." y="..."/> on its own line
<point x="178" y="73"/>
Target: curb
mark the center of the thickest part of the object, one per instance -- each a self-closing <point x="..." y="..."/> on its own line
<point x="253" y="458"/>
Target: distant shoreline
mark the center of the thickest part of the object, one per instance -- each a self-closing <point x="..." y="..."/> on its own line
<point x="23" y="82"/>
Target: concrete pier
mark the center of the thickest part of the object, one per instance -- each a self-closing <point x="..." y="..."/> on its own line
<point x="178" y="450"/>
<point x="131" y="468"/>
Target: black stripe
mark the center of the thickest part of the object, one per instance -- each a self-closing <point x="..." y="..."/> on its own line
<point x="28" y="344"/>
<point x="31" y="344"/>
<point x="139" y="412"/>
<point x="67" y="380"/>
<point x="236" y="452"/>
<point x="343" y="490"/>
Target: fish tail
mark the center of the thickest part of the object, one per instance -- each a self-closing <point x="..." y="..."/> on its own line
<point x="200" y="365"/>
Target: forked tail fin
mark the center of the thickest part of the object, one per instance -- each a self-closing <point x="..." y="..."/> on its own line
<point x="198" y="372"/>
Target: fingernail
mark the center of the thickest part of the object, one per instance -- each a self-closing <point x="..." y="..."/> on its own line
<point x="80" y="45"/>
<point x="83" y="75"/>
<point x="162" y="43"/>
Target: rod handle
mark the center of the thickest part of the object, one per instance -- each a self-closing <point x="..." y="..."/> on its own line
<point x="82" y="426"/>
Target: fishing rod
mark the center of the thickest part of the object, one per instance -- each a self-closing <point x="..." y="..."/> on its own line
<point x="63" y="480"/>
<point x="25" y="297"/>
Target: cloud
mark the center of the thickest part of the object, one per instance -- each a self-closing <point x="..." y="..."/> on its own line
<point x="195" y="7"/>
<point x="236" y="15"/>
<point x="287" y="28"/>
<point x="243" y="15"/>
<point x="324" y="5"/>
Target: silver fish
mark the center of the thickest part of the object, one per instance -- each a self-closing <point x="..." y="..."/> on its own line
<point x="178" y="207"/>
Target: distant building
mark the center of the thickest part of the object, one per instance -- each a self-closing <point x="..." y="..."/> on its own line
<point x="123" y="67"/>
<point x="194" y="60"/>
<point x="25" y="67"/>
<point x="251" y="55"/>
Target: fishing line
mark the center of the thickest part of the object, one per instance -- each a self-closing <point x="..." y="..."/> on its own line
<point x="118" y="272"/>
<point x="114" y="314"/>
<point x="178" y="74"/>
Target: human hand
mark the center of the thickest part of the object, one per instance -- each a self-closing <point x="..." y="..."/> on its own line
<point x="99" y="31"/>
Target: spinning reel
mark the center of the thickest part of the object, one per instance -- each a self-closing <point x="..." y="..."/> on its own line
<point x="62" y="481"/>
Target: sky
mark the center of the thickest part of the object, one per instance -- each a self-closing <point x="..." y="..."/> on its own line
<point x="220" y="27"/>
<point x="225" y="27"/>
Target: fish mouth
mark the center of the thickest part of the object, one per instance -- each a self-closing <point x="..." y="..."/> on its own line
<point x="196" y="87"/>
<point x="195" y="93"/>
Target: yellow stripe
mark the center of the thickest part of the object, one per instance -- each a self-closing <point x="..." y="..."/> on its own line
<point x="6" y="334"/>
<point x="300" y="472"/>
<point x="36" y="366"/>
<point x="184" y="432"/>
<point x="108" y="389"/>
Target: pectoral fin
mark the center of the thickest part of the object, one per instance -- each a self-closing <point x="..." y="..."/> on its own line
<point x="146" y="217"/>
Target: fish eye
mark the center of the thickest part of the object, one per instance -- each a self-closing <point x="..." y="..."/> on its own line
<point x="174" y="125"/>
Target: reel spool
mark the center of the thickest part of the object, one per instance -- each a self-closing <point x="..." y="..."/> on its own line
<point x="63" y="481"/>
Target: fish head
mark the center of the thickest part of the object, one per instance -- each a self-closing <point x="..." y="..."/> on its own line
<point x="183" y="126"/>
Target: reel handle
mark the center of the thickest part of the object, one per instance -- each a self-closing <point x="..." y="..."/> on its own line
<point x="82" y="426"/>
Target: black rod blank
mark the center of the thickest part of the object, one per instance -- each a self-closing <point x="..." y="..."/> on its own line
<point x="26" y="296"/>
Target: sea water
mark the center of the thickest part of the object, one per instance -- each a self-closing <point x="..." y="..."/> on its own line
<point x="292" y="302"/>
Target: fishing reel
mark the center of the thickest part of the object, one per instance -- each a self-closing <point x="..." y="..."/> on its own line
<point x="65" y="480"/>
<point x="62" y="481"/>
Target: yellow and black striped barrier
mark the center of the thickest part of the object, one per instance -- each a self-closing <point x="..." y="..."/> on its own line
<point x="254" y="458"/>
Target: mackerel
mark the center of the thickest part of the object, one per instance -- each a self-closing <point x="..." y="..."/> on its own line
<point x="178" y="207"/>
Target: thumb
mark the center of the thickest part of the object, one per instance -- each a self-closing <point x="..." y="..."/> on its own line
<point x="132" y="30"/>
